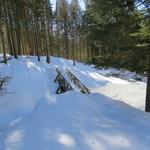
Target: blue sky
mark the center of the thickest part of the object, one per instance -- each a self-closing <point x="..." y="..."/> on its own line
<point x="81" y="2"/>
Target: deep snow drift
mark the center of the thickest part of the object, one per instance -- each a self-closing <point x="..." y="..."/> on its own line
<point x="32" y="117"/>
<point x="30" y="80"/>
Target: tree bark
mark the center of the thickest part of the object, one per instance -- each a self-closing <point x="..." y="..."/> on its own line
<point x="3" y="44"/>
<point x="147" y="105"/>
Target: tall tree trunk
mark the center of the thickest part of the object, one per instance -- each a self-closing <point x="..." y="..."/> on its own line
<point x="46" y="44"/>
<point x="65" y="40"/>
<point x="7" y="27"/>
<point x="57" y="41"/>
<point x="27" y="32"/>
<point x="11" y="33"/>
<point x="18" y="29"/>
<point x="147" y="105"/>
<point x="51" y="42"/>
<point x="80" y="49"/>
<point x="74" y="50"/>
<point x="3" y="44"/>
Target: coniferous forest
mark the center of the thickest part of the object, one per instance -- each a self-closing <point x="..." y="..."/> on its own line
<point x="106" y="33"/>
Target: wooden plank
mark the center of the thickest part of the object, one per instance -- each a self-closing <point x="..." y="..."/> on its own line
<point x="77" y="82"/>
<point x="9" y="58"/>
<point x="64" y="85"/>
<point x="68" y="81"/>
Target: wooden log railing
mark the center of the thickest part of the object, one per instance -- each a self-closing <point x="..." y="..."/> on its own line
<point x="63" y="83"/>
<point x="77" y="82"/>
<point x="9" y="58"/>
<point x="68" y="81"/>
<point x="3" y="83"/>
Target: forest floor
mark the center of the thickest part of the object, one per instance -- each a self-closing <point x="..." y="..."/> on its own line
<point x="33" y="117"/>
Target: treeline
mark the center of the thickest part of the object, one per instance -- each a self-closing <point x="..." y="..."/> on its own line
<point x="119" y="33"/>
<point x="114" y="33"/>
<point x="35" y="27"/>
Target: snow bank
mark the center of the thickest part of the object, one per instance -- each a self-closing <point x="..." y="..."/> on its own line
<point x="101" y="81"/>
<point x="80" y="122"/>
<point x="29" y="82"/>
<point x="124" y="74"/>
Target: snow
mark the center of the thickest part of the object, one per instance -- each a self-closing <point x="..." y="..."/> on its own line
<point x="33" y="117"/>
<point x="30" y="82"/>
<point x="90" y="122"/>
<point x="128" y="91"/>
<point x="133" y="94"/>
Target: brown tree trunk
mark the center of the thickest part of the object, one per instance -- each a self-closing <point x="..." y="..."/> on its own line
<point x="3" y="44"/>
<point x="18" y="29"/>
<point x="11" y="32"/>
<point x="147" y="105"/>
<point x="7" y="27"/>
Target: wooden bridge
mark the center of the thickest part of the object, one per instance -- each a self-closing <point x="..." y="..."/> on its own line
<point x="78" y="83"/>
<point x="68" y="81"/>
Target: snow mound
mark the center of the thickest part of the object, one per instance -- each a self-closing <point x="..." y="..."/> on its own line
<point x="101" y="81"/>
<point x="76" y="122"/>
<point x="29" y="82"/>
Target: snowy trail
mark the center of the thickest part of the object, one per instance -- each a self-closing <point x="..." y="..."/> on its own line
<point x="30" y="81"/>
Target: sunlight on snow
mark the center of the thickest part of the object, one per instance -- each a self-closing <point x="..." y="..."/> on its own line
<point x="66" y="140"/>
<point x="14" y="122"/>
<point x="13" y="139"/>
<point x="116" y="140"/>
<point x="33" y="65"/>
<point x="99" y="77"/>
<point x="50" y="98"/>
<point x="99" y="141"/>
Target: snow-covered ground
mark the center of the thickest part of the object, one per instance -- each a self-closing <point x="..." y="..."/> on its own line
<point x="33" y="117"/>
<point x="130" y="92"/>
